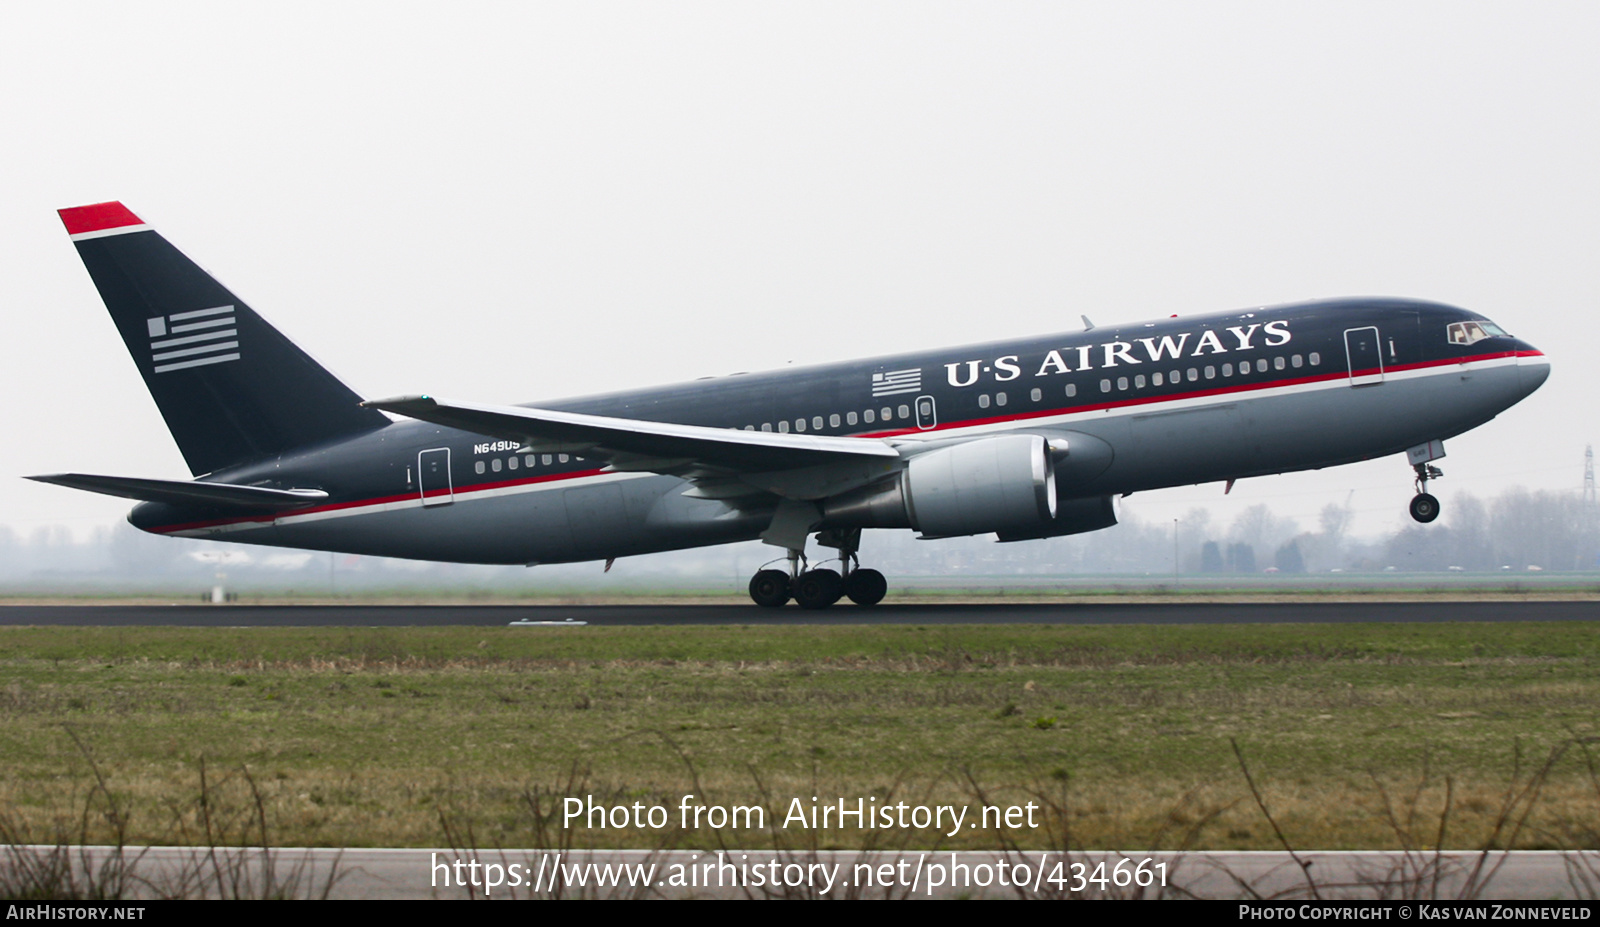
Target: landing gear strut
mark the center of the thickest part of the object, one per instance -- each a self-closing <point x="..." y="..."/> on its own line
<point x="1424" y="507"/>
<point x="820" y="588"/>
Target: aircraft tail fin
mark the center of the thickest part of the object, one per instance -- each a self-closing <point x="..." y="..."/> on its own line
<point x="230" y="386"/>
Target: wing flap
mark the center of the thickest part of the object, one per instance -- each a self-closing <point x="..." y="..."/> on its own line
<point x="641" y="445"/>
<point x="186" y="493"/>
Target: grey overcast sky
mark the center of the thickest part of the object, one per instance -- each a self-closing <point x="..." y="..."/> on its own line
<point x="508" y="202"/>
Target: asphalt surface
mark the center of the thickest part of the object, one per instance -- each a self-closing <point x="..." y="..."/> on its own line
<point x="634" y="615"/>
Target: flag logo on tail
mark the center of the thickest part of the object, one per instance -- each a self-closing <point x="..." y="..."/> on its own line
<point x="193" y="339"/>
<point x="894" y="382"/>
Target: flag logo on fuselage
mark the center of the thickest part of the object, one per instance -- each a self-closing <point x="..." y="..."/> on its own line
<point x="193" y="339"/>
<point x="895" y="382"/>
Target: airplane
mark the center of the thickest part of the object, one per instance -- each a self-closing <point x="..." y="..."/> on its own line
<point x="1023" y="439"/>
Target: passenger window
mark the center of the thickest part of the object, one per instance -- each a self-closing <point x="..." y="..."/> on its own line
<point x="905" y="411"/>
<point x="1277" y="363"/>
<point x="1296" y="361"/>
<point x="1037" y="395"/>
<point x="749" y="428"/>
<point x="1211" y="372"/>
<point x="1315" y="358"/>
<point x="887" y="414"/>
<point x="1156" y="379"/>
<point x="495" y="465"/>
<point x="816" y="422"/>
<point x="868" y="416"/>
<point x="766" y="426"/>
<point x="799" y="424"/>
<point x="999" y="400"/>
<point x="1072" y="390"/>
<point x="478" y="467"/>
<point x="562" y="458"/>
<point x="850" y="418"/>
<point x="1122" y="382"/>
<point x="1227" y="370"/>
<point x="1193" y="374"/>
<point x="1105" y="386"/>
<point x="528" y="461"/>
<point x="1261" y="365"/>
<point x="1138" y="382"/>
<point x="547" y="460"/>
<point x="833" y="420"/>
<point x="512" y="463"/>
<point x="1175" y="377"/>
<point x="783" y="427"/>
<point x="983" y="400"/>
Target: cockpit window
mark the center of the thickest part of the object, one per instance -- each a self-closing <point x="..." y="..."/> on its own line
<point x="1470" y="332"/>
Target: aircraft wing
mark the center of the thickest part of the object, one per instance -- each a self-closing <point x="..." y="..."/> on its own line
<point x="629" y="444"/>
<point x="181" y="492"/>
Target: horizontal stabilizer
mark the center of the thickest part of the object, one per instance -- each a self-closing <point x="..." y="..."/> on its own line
<point x="627" y="441"/>
<point x="184" y="493"/>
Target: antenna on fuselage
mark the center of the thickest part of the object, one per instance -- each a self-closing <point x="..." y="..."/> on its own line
<point x="1088" y="326"/>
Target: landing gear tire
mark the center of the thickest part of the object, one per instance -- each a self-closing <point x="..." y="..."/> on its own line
<point x="770" y="588"/>
<point x="818" y="588"/>
<point x="866" y="587"/>
<point x="1424" y="508"/>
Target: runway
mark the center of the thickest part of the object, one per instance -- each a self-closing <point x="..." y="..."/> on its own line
<point x="1068" y="613"/>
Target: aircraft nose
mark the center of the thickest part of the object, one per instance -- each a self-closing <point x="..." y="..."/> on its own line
<point x="1532" y="369"/>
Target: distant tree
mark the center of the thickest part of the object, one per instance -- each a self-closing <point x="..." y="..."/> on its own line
<point x="1241" y="558"/>
<point x="1211" y="558"/>
<point x="1257" y="528"/>
<point x="1287" y="559"/>
<point x="1335" y="520"/>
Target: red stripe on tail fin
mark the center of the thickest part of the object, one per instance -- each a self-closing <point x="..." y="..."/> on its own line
<point x="97" y="218"/>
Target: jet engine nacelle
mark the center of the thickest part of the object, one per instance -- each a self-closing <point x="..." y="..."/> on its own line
<point x="1073" y="516"/>
<point x="1004" y="484"/>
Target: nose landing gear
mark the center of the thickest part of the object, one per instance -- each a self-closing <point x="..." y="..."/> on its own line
<point x="1424" y="507"/>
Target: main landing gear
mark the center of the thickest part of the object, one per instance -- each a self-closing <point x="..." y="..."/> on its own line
<point x="820" y="588"/>
<point x="1424" y="507"/>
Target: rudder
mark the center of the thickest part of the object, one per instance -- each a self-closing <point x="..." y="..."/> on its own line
<point x="230" y="386"/>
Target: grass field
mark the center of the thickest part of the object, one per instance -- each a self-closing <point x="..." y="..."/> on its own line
<point x="1355" y="736"/>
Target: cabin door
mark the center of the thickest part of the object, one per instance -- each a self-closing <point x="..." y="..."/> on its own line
<point x="1364" y="356"/>
<point x="433" y="477"/>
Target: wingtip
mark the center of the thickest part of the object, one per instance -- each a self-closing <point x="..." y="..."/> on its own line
<point x="397" y="401"/>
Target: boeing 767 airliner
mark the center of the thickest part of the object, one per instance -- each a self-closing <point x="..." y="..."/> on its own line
<point x="1023" y="439"/>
